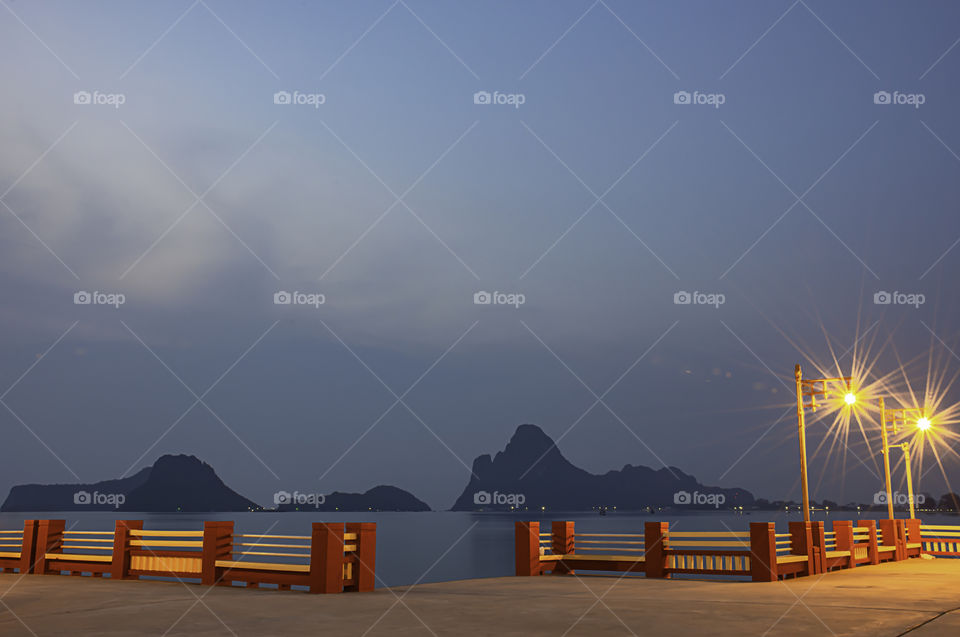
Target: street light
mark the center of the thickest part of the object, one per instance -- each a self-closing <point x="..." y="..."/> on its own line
<point x="906" y="460"/>
<point x="814" y="387"/>
<point x="894" y="419"/>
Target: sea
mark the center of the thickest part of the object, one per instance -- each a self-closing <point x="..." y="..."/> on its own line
<point x="439" y="546"/>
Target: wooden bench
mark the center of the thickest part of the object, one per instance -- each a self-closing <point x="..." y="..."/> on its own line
<point x="913" y="543"/>
<point x="16" y="548"/>
<point x="662" y="552"/>
<point x="780" y="555"/>
<point x="57" y="546"/>
<point x="332" y="559"/>
<point x="562" y="550"/>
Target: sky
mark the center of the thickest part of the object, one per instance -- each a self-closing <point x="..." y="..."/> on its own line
<point x="594" y="164"/>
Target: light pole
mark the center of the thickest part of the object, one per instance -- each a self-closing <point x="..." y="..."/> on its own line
<point x="894" y="418"/>
<point x="906" y="459"/>
<point x="886" y="458"/>
<point x="813" y="387"/>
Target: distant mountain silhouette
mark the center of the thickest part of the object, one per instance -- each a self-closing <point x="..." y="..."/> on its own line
<point x="532" y="473"/>
<point x="69" y="497"/>
<point x="173" y="483"/>
<point x="381" y="498"/>
<point x="185" y="483"/>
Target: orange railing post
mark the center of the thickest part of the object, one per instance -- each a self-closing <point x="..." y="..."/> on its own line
<point x="872" y="551"/>
<point x="527" y="548"/>
<point x="819" y="531"/>
<point x="801" y="543"/>
<point x="655" y="548"/>
<point x="763" y="552"/>
<point x="326" y="558"/>
<point x="120" y="568"/>
<point x="563" y="543"/>
<point x="844" y="534"/>
<point x="217" y="545"/>
<point x="28" y="546"/>
<point x="913" y="533"/>
<point x="49" y="540"/>
<point x="888" y="529"/>
<point x="366" y="553"/>
<point x="913" y="529"/>
<point x="901" y="539"/>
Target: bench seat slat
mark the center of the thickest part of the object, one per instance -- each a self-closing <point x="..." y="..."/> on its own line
<point x="263" y="566"/>
<point x="76" y="557"/>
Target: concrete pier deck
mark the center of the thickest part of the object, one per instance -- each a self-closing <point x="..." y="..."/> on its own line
<point x="921" y="597"/>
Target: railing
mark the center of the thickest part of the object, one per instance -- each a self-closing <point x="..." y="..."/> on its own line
<point x="938" y="539"/>
<point x="334" y="558"/>
<point x="704" y="552"/>
<point x="761" y="554"/>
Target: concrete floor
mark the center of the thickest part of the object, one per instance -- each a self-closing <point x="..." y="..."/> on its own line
<point x="889" y="599"/>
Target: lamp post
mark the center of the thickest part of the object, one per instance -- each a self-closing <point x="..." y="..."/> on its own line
<point x="906" y="459"/>
<point x="813" y="387"/>
<point x="894" y="418"/>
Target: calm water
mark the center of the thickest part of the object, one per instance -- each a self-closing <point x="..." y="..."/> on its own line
<point x="439" y="546"/>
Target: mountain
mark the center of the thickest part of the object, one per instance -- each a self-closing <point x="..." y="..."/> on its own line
<point x="184" y="483"/>
<point x="531" y="473"/>
<point x="381" y="498"/>
<point x="72" y="497"/>
<point x="173" y="483"/>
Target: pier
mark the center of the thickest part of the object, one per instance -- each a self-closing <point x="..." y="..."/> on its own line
<point x="885" y="600"/>
<point x="855" y="578"/>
